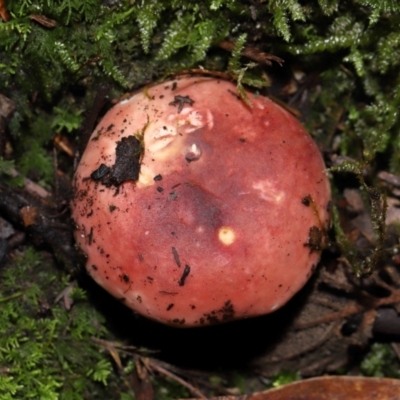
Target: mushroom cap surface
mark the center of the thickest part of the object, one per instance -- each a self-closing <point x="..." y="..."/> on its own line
<point x="194" y="208"/>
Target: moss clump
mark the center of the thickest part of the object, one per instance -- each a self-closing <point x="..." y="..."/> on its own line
<point x="381" y="361"/>
<point x="47" y="351"/>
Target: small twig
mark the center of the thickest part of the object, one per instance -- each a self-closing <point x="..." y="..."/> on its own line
<point x="393" y="274"/>
<point x="292" y="110"/>
<point x="326" y="303"/>
<point x="65" y="295"/>
<point x="31" y="186"/>
<point x="112" y="350"/>
<point x="43" y="20"/>
<point x="202" y="71"/>
<point x="117" y="345"/>
<point x="252" y="53"/>
<point x="349" y="311"/>
<point x="194" y="391"/>
<point x="67" y="326"/>
<point x="11" y="297"/>
<point x="381" y="283"/>
<point x="199" y="376"/>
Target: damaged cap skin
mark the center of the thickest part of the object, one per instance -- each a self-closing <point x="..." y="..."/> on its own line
<point x="195" y="209"/>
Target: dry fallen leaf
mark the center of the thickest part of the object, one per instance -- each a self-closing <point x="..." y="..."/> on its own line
<point x="330" y="388"/>
<point x="4" y="14"/>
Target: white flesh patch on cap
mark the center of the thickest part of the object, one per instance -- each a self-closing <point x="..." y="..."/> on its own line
<point x="189" y="118"/>
<point x="268" y="191"/>
<point x="160" y="137"/>
<point x="162" y="143"/>
<point x="127" y="100"/>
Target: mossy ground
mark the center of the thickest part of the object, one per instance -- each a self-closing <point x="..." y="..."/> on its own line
<point x="341" y="71"/>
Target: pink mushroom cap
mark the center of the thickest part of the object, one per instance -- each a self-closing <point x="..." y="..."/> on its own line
<point x="194" y="208"/>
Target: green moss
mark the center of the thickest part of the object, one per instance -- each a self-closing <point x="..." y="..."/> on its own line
<point x="46" y="351"/>
<point x="168" y="389"/>
<point x="284" y="377"/>
<point x="381" y="361"/>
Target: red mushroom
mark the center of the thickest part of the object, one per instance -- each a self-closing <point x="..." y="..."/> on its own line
<point x="194" y="208"/>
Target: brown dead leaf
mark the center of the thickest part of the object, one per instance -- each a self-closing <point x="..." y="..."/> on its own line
<point x="4" y="14"/>
<point x="330" y="388"/>
<point x="7" y="106"/>
<point x="354" y="200"/>
<point x="28" y="215"/>
<point x="390" y="179"/>
<point x="393" y="211"/>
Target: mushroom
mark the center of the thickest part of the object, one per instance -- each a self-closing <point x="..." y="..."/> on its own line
<point x="193" y="208"/>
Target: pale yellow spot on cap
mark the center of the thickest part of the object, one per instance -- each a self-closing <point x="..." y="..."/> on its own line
<point x="226" y="235"/>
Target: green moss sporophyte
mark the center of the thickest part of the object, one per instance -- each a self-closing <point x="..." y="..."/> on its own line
<point x="194" y="208"/>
